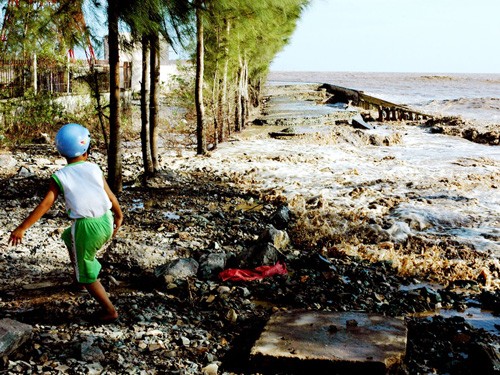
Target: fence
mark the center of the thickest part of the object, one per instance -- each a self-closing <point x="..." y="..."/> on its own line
<point x="19" y="76"/>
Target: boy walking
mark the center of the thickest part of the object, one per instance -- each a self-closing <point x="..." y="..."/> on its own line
<point x="92" y="206"/>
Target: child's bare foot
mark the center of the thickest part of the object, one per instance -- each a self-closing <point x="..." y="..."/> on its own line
<point x="104" y="317"/>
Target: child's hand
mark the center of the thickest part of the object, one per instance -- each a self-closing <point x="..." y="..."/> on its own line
<point x="117" y="224"/>
<point x="16" y="237"/>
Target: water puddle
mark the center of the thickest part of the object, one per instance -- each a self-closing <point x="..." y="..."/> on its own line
<point x="415" y="286"/>
<point x="139" y="205"/>
<point x="171" y="215"/>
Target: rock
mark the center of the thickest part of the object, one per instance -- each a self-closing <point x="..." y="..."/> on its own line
<point x="90" y="352"/>
<point x="232" y="316"/>
<point x="24" y="172"/>
<point x="211" y="265"/>
<point x="259" y="121"/>
<point x="223" y="289"/>
<point x="431" y="294"/>
<point x="181" y="268"/>
<point x="12" y="335"/>
<point x="487" y="358"/>
<point x="43" y="162"/>
<point x="262" y="255"/>
<point x="7" y="162"/>
<point x="43" y="138"/>
<point x="281" y="217"/>
<point x="131" y="253"/>
<point x="210" y="369"/>
<point x="279" y="238"/>
<point x="94" y="369"/>
<point x="185" y="341"/>
<point x="491" y="300"/>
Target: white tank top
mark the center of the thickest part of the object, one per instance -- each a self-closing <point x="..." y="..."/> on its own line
<point x="82" y="186"/>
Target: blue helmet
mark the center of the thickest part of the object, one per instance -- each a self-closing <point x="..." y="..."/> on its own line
<point x="72" y="140"/>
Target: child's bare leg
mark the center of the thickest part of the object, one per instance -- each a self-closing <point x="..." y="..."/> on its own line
<point x="97" y="291"/>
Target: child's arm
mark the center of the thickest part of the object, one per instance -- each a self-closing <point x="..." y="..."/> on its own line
<point x="115" y="207"/>
<point x="16" y="237"/>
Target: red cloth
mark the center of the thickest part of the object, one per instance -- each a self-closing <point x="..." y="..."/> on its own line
<point x="236" y="274"/>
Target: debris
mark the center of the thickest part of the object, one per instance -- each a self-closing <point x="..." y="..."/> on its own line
<point x="359" y="342"/>
<point x="359" y="123"/>
<point x="258" y="273"/>
<point x="12" y="335"/>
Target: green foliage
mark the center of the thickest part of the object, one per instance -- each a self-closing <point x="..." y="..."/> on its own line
<point x="180" y="88"/>
<point x="25" y="119"/>
<point x="45" y="28"/>
<point x="248" y="31"/>
<point x="180" y="124"/>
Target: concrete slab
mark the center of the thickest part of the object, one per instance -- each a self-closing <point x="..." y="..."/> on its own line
<point x="305" y="341"/>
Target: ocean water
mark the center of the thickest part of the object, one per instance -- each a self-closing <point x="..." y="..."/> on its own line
<point x="446" y="187"/>
<point x="474" y="97"/>
<point x="467" y="207"/>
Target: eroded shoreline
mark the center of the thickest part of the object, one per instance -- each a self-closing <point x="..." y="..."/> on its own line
<point x="221" y="203"/>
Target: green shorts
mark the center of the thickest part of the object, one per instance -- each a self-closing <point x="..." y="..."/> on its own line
<point x="83" y="239"/>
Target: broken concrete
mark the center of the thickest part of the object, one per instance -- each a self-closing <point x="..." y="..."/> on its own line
<point x="300" y="341"/>
<point x="359" y="123"/>
<point x="12" y="335"/>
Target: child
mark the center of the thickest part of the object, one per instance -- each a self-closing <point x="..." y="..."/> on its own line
<point x="89" y="202"/>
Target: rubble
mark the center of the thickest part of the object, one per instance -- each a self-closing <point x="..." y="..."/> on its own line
<point x="192" y="322"/>
<point x="12" y="335"/>
<point x="310" y="341"/>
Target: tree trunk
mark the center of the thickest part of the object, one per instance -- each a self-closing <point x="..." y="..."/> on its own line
<point x="154" y="62"/>
<point x="223" y="107"/>
<point x="97" y="95"/>
<point x="245" y="108"/>
<point x="114" y="152"/>
<point x="146" y="154"/>
<point x="256" y="93"/>
<point x="238" y="100"/>
<point x="200" y="109"/>
<point x="215" y="105"/>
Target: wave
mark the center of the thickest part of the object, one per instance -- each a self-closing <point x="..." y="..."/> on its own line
<point x="472" y="96"/>
<point x="437" y="77"/>
<point x="484" y="109"/>
<point x="476" y="103"/>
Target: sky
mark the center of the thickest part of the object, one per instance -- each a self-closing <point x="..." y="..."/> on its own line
<point x="439" y="36"/>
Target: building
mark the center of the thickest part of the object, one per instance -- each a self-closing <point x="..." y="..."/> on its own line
<point x="133" y="57"/>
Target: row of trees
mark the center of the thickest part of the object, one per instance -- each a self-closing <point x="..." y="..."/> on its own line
<point x="233" y="43"/>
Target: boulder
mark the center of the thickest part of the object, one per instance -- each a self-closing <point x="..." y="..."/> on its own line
<point x="12" y="335"/>
<point x="281" y="217"/>
<point x="181" y="268"/>
<point x="279" y="238"/>
<point x="7" y="162"/>
<point x="262" y="255"/>
<point x="90" y="351"/>
<point x="211" y="265"/>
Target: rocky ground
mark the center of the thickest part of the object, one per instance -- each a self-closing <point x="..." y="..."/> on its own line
<point x="180" y="317"/>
